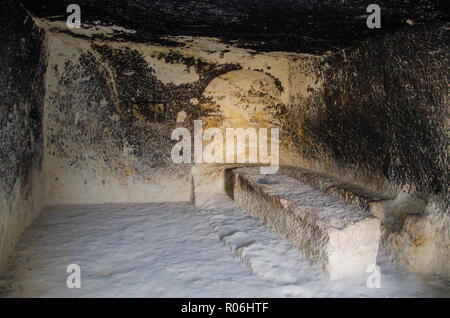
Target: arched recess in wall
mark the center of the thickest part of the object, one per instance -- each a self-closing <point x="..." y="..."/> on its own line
<point x="242" y="98"/>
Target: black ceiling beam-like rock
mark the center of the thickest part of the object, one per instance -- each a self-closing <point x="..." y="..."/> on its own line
<point x="282" y="25"/>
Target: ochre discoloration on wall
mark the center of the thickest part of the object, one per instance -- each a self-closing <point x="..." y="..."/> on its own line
<point x="375" y="114"/>
<point x="111" y="107"/>
<point x="331" y="118"/>
<point x="244" y="98"/>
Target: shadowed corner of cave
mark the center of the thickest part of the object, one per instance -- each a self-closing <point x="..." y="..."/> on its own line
<point x="224" y="149"/>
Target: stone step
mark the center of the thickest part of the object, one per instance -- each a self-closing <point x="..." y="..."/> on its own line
<point x="266" y="253"/>
<point x="370" y="201"/>
<point x="340" y="237"/>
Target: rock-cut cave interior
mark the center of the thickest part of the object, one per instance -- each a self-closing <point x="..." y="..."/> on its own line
<point x="224" y="148"/>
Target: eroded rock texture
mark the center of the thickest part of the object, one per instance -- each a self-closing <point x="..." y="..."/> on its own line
<point x="22" y="66"/>
<point x="368" y="107"/>
<point x="111" y="108"/>
<point x="423" y="243"/>
<point x="384" y="111"/>
<point x="278" y="25"/>
<point x="337" y="236"/>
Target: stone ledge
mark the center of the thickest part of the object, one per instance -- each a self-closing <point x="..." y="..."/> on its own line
<point x="372" y="202"/>
<point x="340" y="237"/>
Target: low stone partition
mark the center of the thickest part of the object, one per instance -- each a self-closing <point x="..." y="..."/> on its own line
<point x="370" y="201"/>
<point x="340" y="237"/>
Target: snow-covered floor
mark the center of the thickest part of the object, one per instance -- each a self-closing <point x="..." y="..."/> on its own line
<point x="175" y="250"/>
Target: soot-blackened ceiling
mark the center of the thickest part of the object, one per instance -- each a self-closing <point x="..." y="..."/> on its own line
<point x="271" y="25"/>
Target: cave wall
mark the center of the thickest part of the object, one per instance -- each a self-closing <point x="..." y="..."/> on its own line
<point x="22" y="66"/>
<point x="381" y="117"/>
<point x="98" y="123"/>
<point x="106" y="140"/>
<point x="110" y="108"/>
<point x="368" y="114"/>
<point x="380" y="120"/>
